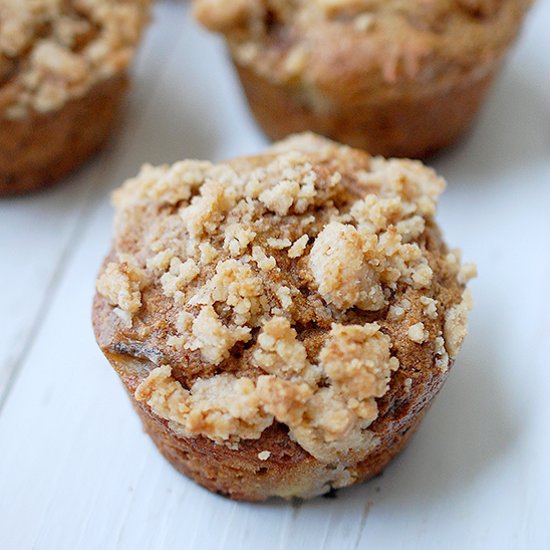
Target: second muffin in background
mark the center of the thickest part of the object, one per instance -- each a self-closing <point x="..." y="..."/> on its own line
<point x="397" y="78"/>
<point x="63" y="74"/>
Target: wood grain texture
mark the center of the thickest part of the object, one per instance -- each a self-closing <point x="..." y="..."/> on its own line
<point x="77" y="472"/>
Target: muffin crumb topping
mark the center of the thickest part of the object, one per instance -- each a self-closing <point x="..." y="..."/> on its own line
<point x="456" y="324"/>
<point x="121" y="284"/>
<point x="383" y="41"/>
<point x="52" y="51"/>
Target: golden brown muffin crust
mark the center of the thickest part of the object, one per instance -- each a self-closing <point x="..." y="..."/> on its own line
<point x="304" y="287"/>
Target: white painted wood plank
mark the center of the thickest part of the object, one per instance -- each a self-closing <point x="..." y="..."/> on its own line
<point x="39" y="231"/>
<point x="77" y="472"/>
<point x="34" y="234"/>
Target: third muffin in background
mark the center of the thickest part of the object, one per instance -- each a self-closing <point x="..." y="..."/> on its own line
<point x="398" y="78"/>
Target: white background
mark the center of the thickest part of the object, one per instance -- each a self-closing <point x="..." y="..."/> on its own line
<point x="77" y="472"/>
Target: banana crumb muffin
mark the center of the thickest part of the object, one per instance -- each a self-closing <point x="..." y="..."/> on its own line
<point x="282" y="321"/>
<point x="395" y="77"/>
<point x="63" y="73"/>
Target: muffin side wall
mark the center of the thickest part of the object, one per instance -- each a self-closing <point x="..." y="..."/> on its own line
<point x="44" y="147"/>
<point x="414" y="127"/>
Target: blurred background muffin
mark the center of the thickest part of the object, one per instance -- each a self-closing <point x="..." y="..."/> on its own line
<point x="394" y="77"/>
<point x="63" y="74"/>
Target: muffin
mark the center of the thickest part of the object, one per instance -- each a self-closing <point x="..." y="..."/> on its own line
<point x="281" y="322"/>
<point x="63" y="74"/>
<point x="397" y="78"/>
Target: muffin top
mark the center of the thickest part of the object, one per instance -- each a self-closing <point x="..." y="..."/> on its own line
<point x="332" y="43"/>
<point x="287" y="287"/>
<point x="52" y="51"/>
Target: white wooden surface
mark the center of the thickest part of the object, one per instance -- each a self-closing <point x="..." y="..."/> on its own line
<point x="76" y="471"/>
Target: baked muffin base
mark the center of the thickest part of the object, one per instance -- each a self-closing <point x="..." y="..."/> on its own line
<point x="402" y="126"/>
<point x="289" y="471"/>
<point x="42" y="148"/>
